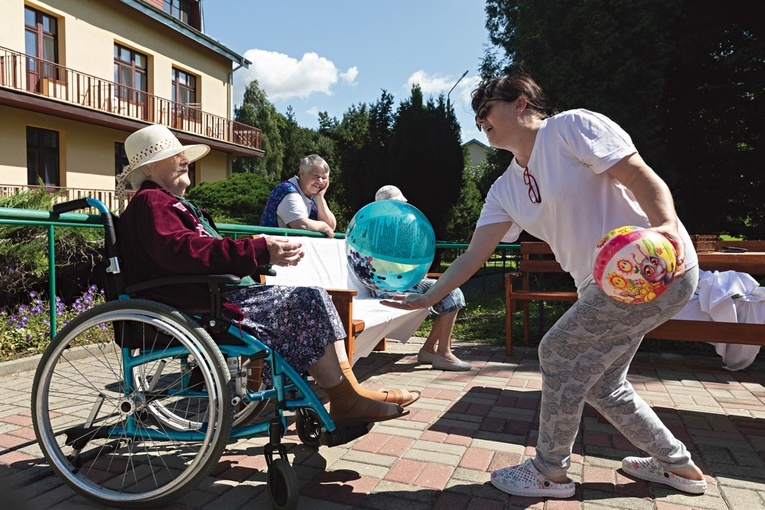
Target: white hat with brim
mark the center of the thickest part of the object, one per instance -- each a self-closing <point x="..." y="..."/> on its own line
<point x="390" y="192"/>
<point x="155" y="143"/>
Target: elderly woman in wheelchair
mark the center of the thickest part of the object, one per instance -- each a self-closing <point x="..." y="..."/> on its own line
<point x="143" y="421"/>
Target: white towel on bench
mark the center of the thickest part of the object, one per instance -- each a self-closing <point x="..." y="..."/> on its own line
<point x="728" y="296"/>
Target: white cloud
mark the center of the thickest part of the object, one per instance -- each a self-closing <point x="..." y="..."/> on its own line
<point x="313" y="111"/>
<point x="285" y="77"/>
<point x="440" y="84"/>
<point x="430" y="84"/>
<point x="350" y="75"/>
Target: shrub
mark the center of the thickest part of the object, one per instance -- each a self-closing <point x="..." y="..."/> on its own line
<point x="238" y="199"/>
<point x="24" y="253"/>
<point x="25" y="329"/>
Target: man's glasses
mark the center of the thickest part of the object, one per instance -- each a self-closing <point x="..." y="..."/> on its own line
<point x="528" y="180"/>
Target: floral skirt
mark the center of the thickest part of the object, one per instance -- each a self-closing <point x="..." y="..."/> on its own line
<point x="296" y="322"/>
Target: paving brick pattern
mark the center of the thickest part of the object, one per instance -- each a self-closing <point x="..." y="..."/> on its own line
<point x="466" y="424"/>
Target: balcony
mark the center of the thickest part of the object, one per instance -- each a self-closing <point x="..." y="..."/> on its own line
<point x="90" y="99"/>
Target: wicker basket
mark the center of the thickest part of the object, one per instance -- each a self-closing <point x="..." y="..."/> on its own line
<point x="704" y="243"/>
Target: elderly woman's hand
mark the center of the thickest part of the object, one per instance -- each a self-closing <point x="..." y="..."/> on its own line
<point x="284" y="252"/>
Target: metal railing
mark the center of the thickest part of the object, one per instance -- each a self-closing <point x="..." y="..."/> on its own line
<point x="506" y="253"/>
<point x="32" y="75"/>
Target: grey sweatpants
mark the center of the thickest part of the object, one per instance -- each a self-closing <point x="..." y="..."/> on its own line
<point x="585" y="358"/>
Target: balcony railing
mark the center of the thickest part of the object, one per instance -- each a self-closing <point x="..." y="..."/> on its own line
<point x="33" y="75"/>
<point x="107" y="196"/>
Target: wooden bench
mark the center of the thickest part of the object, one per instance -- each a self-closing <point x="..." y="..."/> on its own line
<point x="536" y="259"/>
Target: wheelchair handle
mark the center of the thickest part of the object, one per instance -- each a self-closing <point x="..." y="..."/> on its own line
<point x="110" y="237"/>
<point x="72" y="205"/>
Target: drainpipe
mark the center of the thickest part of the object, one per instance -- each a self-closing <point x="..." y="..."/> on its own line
<point x="229" y="158"/>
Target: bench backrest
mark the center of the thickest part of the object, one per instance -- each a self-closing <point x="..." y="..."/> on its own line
<point x="536" y="257"/>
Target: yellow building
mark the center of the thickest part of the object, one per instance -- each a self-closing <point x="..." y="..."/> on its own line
<point x="78" y="76"/>
<point x="477" y="151"/>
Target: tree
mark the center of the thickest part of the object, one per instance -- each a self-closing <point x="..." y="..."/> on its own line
<point x="256" y="110"/>
<point x="463" y="215"/>
<point x="684" y="78"/>
<point x="426" y="157"/>
<point x="361" y="142"/>
<point x="714" y="98"/>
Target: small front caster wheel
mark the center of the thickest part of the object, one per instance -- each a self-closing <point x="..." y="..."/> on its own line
<point x="282" y="485"/>
<point x="309" y="427"/>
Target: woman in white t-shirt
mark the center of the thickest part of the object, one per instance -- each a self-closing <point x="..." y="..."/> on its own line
<point x="574" y="177"/>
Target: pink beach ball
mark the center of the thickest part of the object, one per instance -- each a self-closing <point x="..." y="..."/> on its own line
<point x="634" y="264"/>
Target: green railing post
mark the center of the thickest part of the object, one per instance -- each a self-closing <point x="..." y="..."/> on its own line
<point x="52" y="278"/>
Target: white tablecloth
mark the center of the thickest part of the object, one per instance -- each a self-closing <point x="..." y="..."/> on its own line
<point x="728" y="296"/>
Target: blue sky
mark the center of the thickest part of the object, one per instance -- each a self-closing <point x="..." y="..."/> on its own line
<point x="327" y="55"/>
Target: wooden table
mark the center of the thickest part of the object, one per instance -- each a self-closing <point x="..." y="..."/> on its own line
<point x="752" y="262"/>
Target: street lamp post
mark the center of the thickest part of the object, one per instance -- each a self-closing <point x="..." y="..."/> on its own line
<point x="448" y="105"/>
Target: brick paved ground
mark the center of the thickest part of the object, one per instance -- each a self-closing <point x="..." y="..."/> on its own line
<point x="465" y="425"/>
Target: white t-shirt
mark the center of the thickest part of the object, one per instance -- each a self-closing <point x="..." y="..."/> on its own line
<point x="293" y="206"/>
<point x="580" y="201"/>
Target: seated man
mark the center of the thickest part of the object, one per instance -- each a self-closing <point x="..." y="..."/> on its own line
<point x="437" y="349"/>
<point x="164" y="234"/>
<point x="299" y="202"/>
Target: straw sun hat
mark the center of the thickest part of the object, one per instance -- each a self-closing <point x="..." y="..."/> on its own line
<point x="152" y="144"/>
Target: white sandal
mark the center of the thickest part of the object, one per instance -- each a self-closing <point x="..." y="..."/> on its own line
<point x="526" y="480"/>
<point x="648" y="469"/>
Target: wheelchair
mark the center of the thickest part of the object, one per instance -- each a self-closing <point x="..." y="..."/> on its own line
<point x="134" y="401"/>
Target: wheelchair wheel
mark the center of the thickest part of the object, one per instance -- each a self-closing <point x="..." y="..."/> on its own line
<point x="136" y="426"/>
<point x="308" y="427"/>
<point x="282" y="485"/>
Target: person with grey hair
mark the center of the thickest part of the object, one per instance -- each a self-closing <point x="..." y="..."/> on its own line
<point x="300" y="202"/>
<point x="437" y="349"/>
<point x="163" y="234"/>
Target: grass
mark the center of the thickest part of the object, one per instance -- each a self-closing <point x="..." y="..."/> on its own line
<point x="483" y="319"/>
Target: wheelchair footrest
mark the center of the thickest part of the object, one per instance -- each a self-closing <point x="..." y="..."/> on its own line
<point x="342" y="435"/>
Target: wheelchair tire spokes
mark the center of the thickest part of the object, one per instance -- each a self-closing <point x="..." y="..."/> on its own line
<point x="121" y="427"/>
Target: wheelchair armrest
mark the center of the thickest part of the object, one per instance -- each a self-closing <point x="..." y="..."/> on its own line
<point x="212" y="280"/>
<point x="265" y="270"/>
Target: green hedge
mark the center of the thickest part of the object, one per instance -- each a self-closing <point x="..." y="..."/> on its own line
<point x="238" y="199"/>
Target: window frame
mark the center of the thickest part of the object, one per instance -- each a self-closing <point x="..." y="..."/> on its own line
<point x="130" y="92"/>
<point x="37" y="65"/>
<point x="42" y="151"/>
<point x="178" y="9"/>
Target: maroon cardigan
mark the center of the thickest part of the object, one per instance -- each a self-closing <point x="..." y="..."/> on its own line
<point x="160" y="237"/>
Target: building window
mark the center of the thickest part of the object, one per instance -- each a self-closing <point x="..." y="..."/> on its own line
<point x="184" y="98"/>
<point x="184" y="87"/>
<point x="130" y="74"/>
<point x="42" y="157"/>
<point x="41" y="44"/>
<point x="180" y="9"/>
